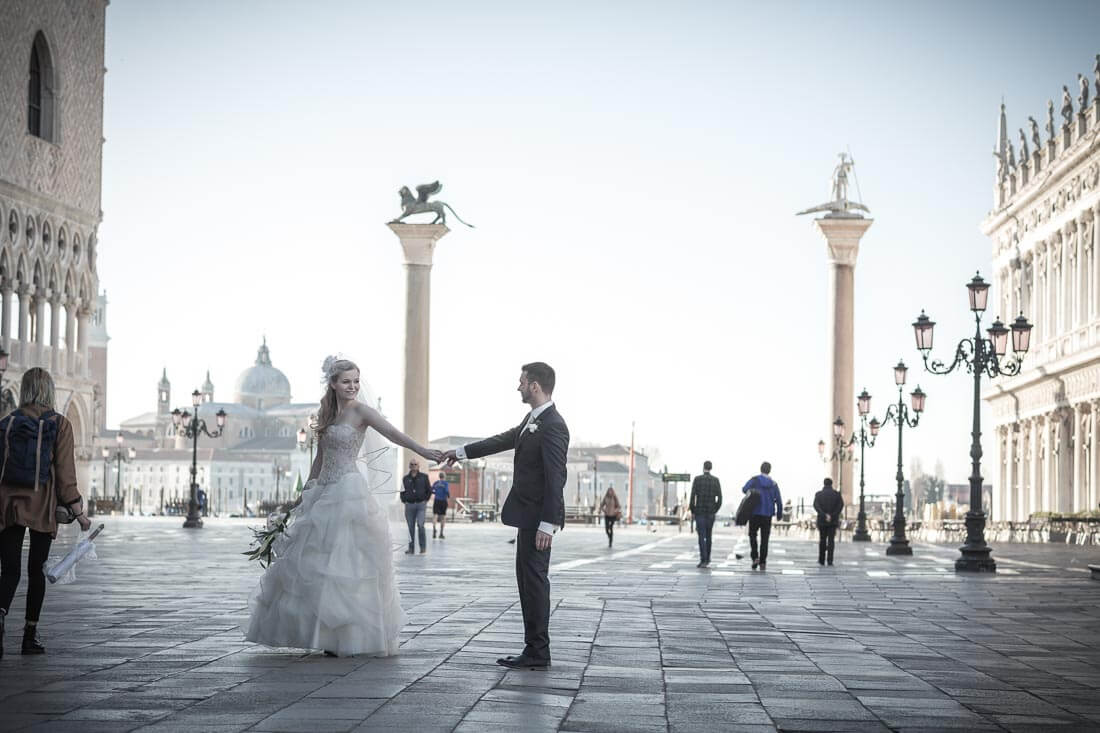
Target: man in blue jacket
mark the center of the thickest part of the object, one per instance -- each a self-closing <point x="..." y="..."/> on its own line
<point x="771" y="503"/>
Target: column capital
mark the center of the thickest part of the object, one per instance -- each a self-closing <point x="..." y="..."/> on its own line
<point x="418" y="241"/>
<point x="842" y="235"/>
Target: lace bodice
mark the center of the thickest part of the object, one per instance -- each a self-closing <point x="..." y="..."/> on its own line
<point x="340" y="445"/>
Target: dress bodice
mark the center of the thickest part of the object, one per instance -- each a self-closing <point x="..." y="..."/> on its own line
<point x="340" y="445"/>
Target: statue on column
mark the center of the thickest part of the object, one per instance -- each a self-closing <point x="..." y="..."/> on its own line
<point x="1067" y="105"/>
<point x="1050" y="120"/>
<point x="1096" y="74"/>
<point x="1035" y="139"/>
<point x="1025" y="154"/>
<point x="840" y="205"/>
<point x="420" y="204"/>
<point x="1011" y="156"/>
<point x="1083" y="96"/>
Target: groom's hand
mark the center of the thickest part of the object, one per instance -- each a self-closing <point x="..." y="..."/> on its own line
<point x="449" y="458"/>
<point x="543" y="540"/>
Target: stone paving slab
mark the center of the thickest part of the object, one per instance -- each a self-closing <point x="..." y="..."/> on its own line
<point x="149" y="639"/>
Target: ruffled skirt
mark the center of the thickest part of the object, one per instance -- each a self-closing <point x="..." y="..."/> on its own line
<point x="332" y="584"/>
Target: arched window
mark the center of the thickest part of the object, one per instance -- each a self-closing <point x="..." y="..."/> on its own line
<point x="40" y="87"/>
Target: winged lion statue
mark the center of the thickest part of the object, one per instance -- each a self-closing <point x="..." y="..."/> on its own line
<point x="420" y="204"/>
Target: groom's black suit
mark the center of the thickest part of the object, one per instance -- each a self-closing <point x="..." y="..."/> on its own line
<point x="536" y="496"/>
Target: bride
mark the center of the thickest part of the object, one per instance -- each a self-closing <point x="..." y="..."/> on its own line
<point x="332" y="585"/>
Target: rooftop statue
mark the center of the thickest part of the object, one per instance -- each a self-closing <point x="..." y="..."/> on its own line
<point x="420" y="204"/>
<point x="1035" y="140"/>
<point x="1083" y="97"/>
<point x="1024" y="152"/>
<point x="1067" y="105"/>
<point x="1050" y="118"/>
<point x="840" y="206"/>
<point x="1096" y="75"/>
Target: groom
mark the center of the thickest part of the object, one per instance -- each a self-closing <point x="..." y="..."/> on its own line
<point x="535" y="505"/>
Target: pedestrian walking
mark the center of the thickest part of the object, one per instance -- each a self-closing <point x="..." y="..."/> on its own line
<point x="441" y="490"/>
<point x="771" y="503"/>
<point x="829" y="505"/>
<point x="37" y="487"/>
<point x="415" y="492"/>
<point x="706" y="500"/>
<point x="611" y="510"/>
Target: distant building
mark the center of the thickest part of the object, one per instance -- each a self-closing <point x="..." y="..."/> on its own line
<point x="1043" y="227"/>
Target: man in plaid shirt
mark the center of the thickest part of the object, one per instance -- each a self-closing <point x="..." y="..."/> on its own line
<point x="706" y="500"/>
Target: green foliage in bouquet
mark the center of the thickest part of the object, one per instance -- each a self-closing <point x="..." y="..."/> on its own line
<point x="263" y="540"/>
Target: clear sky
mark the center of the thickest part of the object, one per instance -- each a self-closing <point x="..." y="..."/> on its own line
<point x="633" y="170"/>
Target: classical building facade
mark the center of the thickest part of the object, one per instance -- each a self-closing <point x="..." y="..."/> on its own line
<point x="51" y="140"/>
<point x="1044" y="224"/>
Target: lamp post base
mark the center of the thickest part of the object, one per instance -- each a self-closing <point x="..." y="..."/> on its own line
<point x="192" y="523"/>
<point x="899" y="547"/>
<point x="975" y="559"/>
<point x="861" y="534"/>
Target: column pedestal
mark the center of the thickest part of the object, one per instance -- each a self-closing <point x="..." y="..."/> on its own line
<point x="418" y="243"/>
<point x="842" y="235"/>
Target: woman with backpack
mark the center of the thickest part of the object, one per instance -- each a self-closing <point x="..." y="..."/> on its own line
<point x="611" y="513"/>
<point x="37" y="483"/>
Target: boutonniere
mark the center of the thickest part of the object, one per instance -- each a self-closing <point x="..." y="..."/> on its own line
<point x="532" y="426"/>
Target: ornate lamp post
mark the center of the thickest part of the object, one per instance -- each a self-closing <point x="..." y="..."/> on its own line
<point x="868" y="431"/>
<point x="190" y="426"/>
<point x="979" y="356"/>
<point x="842" y="450"/>
<point x="306" y="440"/>
<point x="899" y="415"/>
<point x="118" y="457"/>
<point x="278" y="471"/>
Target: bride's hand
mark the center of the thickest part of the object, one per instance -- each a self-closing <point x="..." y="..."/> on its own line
<point x="435" y="456"/>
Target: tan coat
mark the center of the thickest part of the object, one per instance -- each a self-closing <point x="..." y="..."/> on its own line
<point x="610" y="505"/>
<point x="35" y="510"/>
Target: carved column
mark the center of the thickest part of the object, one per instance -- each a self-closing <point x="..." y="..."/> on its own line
<point x="1004" y="512"/>
<point x="55" y="333"/>
<point x="1077" y="444"/>
<point x="1038" y="309"/>
<point x="24" y="325"/>
<point x="83" y="319"/>
<point x="1023" y="472"/>
<point x="1082" y="476"/>
<point x="1094" y="242"/>
<point x="1073" y="278"/>
<point x="1035" y="490"/>
<point x="40" y="326"/>
<point x="1094" y="455"/>
<point x="1063" y="498"/>
<point x="70" y="359"/>
<point x="5" y="314"/>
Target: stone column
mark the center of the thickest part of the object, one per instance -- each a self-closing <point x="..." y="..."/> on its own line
<point x="55" y="335"/>
<point x="842" y="235"/>
<point x="1094" y="455"/>
<point x="1004" y="513"/>
<point x="40" y="327"/>
<point x="1077" y="445"/>
<point x="1095" y="276"/>
<point x="418" y="243"/>
<point x="5" y="315"/>
<point x="24" y="325"/>
<point x="69" y="363"/>
<point x="83" y="319"/>
<point x="1035" y="490"/>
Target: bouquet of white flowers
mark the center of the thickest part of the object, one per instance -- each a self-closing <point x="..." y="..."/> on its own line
<point x="263" y="540"/>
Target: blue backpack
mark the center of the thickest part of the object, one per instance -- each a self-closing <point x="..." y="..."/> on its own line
<point x="26" y="449"/>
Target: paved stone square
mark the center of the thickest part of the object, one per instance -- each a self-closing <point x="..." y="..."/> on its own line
<point x="149" y="638"/>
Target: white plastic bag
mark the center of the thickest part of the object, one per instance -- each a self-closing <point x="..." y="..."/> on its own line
<point x="64" y="571"/>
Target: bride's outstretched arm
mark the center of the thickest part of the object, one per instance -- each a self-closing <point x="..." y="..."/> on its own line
<point x="373" y="418"/>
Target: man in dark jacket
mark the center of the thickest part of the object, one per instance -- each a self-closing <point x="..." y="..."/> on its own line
<point x="415" y="491"/>
<point x="761" y="521"/>
<point x="706" y="500"/>
<point x="535" y="505"/>
<point x="829" y="505"/>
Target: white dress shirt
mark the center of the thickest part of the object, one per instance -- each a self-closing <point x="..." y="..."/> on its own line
<point x="460" y="452"/>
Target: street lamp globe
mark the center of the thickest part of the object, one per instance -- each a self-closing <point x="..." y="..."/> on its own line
<point x="875" y="425"/>
<point x="864" y="402"/>
<point x="177" y="417"/>
<point x="185" y="416"/>
<point x="998" y="334"/>
<point x="220" y="417"/>
<point x="820" y="447"/>
<point x="106" y="452"/>
<point x="132" y="453"/>
<point x="838" y="428"/>
<point x="1021" y="335"/>
<point x="979" y="293"/>
<point x="196" y="398"/>
<point x="118" y="439"/>
<point x="918" y="399"/>
<point x="922" y="328"/>
<point x="301" y="437"/>
<point x="899" y="373"/>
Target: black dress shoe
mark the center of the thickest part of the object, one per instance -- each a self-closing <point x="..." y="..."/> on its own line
<point x="701" y="565"/>
<point x="755" y="564"/>
<point x="524" y="662"/>
<point x="31" y="643"/>
<point x="330" y="654"/>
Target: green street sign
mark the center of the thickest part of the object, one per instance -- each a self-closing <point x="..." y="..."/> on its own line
<point x="453" y="478"/>
<point x="669" y="478"/>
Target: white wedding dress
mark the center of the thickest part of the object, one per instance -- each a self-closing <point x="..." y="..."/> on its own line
<point x="332" y="584"/>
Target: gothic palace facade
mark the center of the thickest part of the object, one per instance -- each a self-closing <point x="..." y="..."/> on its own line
<point x="1043" y="229"/>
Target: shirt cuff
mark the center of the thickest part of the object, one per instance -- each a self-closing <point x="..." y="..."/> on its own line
<point x="460" y="452"/>
<point x="547" y="528"/>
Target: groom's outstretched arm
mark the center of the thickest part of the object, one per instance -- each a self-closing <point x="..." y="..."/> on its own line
<point x="555" y="449"/>
<point x="502" y="442"/>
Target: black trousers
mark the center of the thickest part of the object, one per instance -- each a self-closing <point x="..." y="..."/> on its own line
<point x="609" y="528"/>
<point x="533" y="580"/>
<point x="825" y="544"/>
<point x="11" y="549"/>
<point x="704" y="527"/>
<point x="763" y="525"/>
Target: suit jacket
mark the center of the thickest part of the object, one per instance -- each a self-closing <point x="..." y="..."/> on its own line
<point x="539" y="473"/>
<point x="828" y="501"/>
<point x="706" y="494"/>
